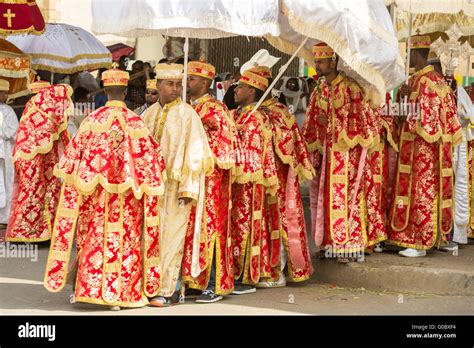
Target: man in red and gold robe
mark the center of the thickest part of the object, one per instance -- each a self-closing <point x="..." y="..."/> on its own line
<point x="207" y="262"/>
<point x="421" y="209"/>
<point x="111" y="175"/>
<point x="41" y="138"/>
<point x="341" y="127"/>
<point x="256" y="175"/>
<point x="287" y="242"/>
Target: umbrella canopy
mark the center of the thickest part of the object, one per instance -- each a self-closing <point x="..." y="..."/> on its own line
<point x="434" y="16"/>
<point x="120" y="49"/>
<point x="15" y="68"/>
<point x="65" y="49"/>
<point x="20" y="17"/>
<point x="360" y="31"/>
<point x="208" y="19"/>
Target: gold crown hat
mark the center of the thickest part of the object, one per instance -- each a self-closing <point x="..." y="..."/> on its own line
<point x="202" y="69"/>
<point x="254" y="77"/>
<point x="38" y="85"/>
<point x="115" y="77"/>
<point x="420" y="41"/>
<point x="263" y="71"/>
<point x="151" y="84"/>
<point x="166" y="71"/>
<point x="4" y="85"/>
<point x="323" y="51"/>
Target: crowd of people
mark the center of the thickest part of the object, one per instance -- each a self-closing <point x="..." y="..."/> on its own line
<point x="159" y="195"/>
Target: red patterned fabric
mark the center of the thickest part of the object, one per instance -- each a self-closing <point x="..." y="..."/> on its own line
<point x="255" y="173"/>
<point x="291" y="153"/>
<point x="42" y="133"/>
<point x="216" y="239"/>
<point x="339" y="115"/>
<point x="112" y="178"/>
<point x="423" y="192"/>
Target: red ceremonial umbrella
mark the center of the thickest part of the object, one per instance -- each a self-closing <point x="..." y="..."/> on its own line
<point x="120" y="49"/>
<point x="20" y="17"/>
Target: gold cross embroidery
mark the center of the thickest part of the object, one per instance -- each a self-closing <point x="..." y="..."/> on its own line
<point x="9" y="16"/>
<point x="115" y="139"/>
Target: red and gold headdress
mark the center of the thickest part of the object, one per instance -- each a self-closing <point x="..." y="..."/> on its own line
<point x="255" y="77"/>
<point x="323" y="51"/>
<point x="202" y="69"/>
<point x="115" y="77"/>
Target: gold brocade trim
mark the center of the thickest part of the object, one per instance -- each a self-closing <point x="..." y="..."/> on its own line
<point x="406" y="200"/>
<point x="447" y="203"/>
<point x="339" y="179"/>
<point x="255" y="177"/>
<point x="257" y="215"/>
<point x="407" y="136"/>
<point x="152" y="221"/>
<point x="344" y="140"/>
<point x="53" y="240"/>
<point x="389" y="135"/>
<point x="41" y="149"/>
<point x="72" y="70"/>
<point x="87" y="188"/>
<point x="30" y="30"/>
<point x="405" y="169"/>
<point x="275" y="235"/>
<point x="66" y="212"/>
<point x="134" y="133"/>
<point x="316" y="145"/>
<point x="445" y="172"/>
<point x="255" y="251"/>
<point x="27" y="240"/>
<point x="377" y="178"/>
<point x="71" y="60"/>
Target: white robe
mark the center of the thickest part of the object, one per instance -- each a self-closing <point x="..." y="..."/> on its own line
<point x="461" y="168"/>
<point x="8" y="129"/>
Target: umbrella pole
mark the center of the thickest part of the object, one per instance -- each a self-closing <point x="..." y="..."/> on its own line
<point x="185" y="75"/>
<point x="409" y="48"/>
<point x="280" y="74"/>
<point x="52" y="78"/>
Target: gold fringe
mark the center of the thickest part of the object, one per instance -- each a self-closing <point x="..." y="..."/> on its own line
<point x="87" y="188"/>
<point x="72" y="70"/>
<point x="71" y="60"/>
<point x="339" y="45"/>
<point x="390" y="139"/>
<point x="41" y="149"/>
<point x="94" y="127"/>
<point x="345" y="142"/>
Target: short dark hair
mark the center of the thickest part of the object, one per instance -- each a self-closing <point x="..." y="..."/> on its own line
<point x="115" y="90"/>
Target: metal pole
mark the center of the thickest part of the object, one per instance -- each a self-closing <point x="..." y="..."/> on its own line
<point x="185" y="75"/>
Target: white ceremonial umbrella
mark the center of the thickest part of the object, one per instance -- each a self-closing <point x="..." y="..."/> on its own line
<point x="64" y="49"/>
<point x="427" y="16"/>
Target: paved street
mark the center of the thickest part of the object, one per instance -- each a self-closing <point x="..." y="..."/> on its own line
<point x="22" y="292"/>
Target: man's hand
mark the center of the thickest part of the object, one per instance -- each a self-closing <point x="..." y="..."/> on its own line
<point x="405" y="91"/>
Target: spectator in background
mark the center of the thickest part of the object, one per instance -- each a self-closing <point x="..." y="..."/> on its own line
<point x="123" y="62"/>
<point x="136" y="87"/>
